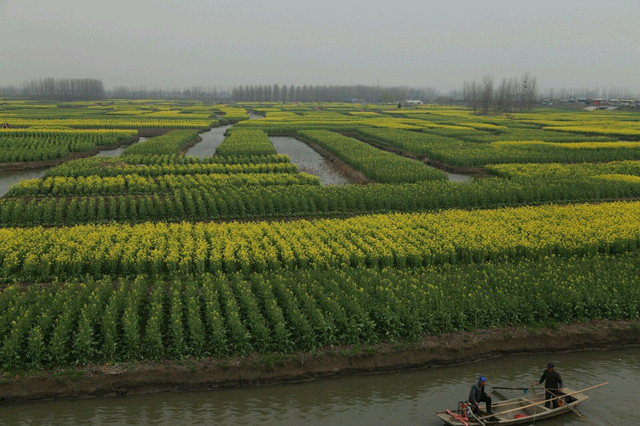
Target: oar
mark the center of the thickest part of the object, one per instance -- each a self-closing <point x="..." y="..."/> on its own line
<point x="510" y="388"/>
<point x="550" y="399"/>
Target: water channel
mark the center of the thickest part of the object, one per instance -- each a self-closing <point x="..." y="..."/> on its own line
<point x="10" y="178"/>
<point x="210" y="141"/>
<point x="117" y="151"/>
<point x="453" y="177"/>
<point x="308" y="160"/>
<point x="402" y="398"/>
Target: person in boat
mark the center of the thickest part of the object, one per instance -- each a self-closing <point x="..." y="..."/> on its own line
<point x="552" y="385"/>
<point x="478" y="395"/>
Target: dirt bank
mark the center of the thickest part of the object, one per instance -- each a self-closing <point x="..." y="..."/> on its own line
<point x="211" y="373"/>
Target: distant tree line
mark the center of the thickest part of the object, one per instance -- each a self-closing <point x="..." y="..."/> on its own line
<point x="64" y="89"/>
<point x="515" y="94"/>
<point x="142" y="92"/>
<point x="591" y="93"/>
<point x="317" y="93"/>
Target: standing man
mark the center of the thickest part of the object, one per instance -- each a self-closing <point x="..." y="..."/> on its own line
<point x="552" y="385"/>
<point x="477" y="395"/>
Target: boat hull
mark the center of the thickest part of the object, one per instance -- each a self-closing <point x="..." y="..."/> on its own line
<point x="516" y="411"/>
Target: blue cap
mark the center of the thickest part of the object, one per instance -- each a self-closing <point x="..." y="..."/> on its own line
<point x="482" y="379"/>
<point x="550" y="365"/>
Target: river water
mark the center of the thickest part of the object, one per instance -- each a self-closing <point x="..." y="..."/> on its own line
<point x="210" y="141"/>
<point x="115" y="152"/>
<point x="10" y="178"/>
<point x="453" y="177"/>
<point x="308" y="160"/>
<point x="402" y="398"/>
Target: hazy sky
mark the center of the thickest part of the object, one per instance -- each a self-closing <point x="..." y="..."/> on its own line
<point x="162" y="43"/>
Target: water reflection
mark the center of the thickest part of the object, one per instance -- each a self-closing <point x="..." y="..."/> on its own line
<point x="453" y="177"/>
<point x="308" y="160"/>
<point x="10" y="178"/>
<point x="115" y="152"/>
<point x="210" y="141"/>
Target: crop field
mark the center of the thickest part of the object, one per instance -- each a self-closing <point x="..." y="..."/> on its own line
<point x="152" y="254"/>
<point x="25" y="145"/>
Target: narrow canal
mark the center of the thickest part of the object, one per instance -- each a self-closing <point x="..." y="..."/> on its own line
<point x="210" y="141"/>
<point x="453" y="177"/>
<point x="308" y="160"/>
<point x="10" y="178"/>
<point x="403" y="398"/>
<point x="117" y="151"/>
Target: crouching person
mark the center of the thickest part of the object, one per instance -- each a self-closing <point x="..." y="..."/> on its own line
<point x="478" y="395"/>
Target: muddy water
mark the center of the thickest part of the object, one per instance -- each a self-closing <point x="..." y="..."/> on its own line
<point x="10" y="178"/>
<point x="117" y="151"/>
<point x="453" y="177"/>
<point x="405" y="398"/>
<point x="210" y="141"/>
<point x="308" y="160"/>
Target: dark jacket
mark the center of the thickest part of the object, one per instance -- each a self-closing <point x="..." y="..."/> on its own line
<point x="552" y="378"/>
<point x="476" y="393"/>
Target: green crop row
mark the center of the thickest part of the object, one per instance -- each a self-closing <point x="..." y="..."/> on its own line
<point x="376" y="164"/>
<point x="400" y="240"/>
<point x="40" y="145"/>
<point x="137" y="184"/>
<point x="566" y="172"/>
<point x="277" y="201"/>
<point x="171" y="143"/>
<point x="515" y="134"/>
<point x="129" y="123"/>
<point x="119" y="166"/>
<point x="246" y="142"/>
<point x="218" y="159"/>
<point x="472" y="154"/>
<point x="108" y="321"/>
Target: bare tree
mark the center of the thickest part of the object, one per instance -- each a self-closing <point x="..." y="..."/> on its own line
<point x="486" y="96"/>
<point x="509" y="96"/>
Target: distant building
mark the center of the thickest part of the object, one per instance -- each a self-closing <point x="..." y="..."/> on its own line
<point x="412" y="103"/>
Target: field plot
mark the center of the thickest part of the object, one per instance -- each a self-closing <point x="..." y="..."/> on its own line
<point x="110" y="115"/>
<point x="18" y="145"/>
<point x="152" y="254"/>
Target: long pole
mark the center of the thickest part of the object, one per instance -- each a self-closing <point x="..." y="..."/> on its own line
<point x="509" y="388"/>
<point x="574" y="410"/>
<point x="547" y="400"/>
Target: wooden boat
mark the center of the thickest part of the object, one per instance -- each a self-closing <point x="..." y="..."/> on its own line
<point x="517" y="411"/>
